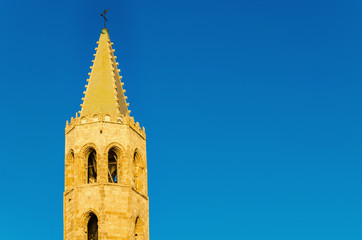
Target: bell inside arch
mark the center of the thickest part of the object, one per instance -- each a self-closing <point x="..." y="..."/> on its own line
<point x="92" y="167"/>
<point x="112" y="167"/>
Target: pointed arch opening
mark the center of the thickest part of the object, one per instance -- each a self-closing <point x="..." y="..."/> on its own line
<point x="92" y="227"/>
<point x="92" y="167"/>
<point x="139" y="172"/>
<point x="112" y="166"/>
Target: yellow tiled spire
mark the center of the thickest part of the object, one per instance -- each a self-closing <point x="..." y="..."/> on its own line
<point x="104" y="93"/>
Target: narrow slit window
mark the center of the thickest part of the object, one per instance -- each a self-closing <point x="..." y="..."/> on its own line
<point x="112" y="167"/>
<point x="138" y="229"/>
<point x="92" y="167"/>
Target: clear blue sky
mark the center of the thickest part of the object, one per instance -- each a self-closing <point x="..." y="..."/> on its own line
<point x="252" y="109"/>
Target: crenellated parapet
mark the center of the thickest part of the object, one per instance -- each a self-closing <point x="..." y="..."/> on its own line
<point x="105" y="118"/>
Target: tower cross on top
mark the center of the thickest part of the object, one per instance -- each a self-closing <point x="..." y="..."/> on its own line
<point x="103" y="14"/>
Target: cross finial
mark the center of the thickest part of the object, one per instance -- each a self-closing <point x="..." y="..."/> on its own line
<point x="103" y="14"/>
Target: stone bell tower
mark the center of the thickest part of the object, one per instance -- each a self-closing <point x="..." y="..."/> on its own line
<point x="105" y="196"/>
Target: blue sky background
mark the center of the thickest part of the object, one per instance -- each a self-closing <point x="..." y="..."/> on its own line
<point x="252" y="109"/>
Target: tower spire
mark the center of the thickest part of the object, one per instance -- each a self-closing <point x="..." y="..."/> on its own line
<point x="104" y="93"/>
<point x="105" y="188"/>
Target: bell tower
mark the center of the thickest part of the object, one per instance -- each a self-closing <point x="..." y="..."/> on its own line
<point x="105" y="196"/>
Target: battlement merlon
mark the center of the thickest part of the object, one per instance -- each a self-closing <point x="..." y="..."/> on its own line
<point x="101" y="117"/>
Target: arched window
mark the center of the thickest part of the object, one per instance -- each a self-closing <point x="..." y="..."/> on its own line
<point x="92" y="227"/>
<point x="138" y="234"/>
<point x="92" y="167"/>
<point x="112" y="166"/>
<point x="138" y="175"/>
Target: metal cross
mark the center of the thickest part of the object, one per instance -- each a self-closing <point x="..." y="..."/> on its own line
<point x="103" y="14"/>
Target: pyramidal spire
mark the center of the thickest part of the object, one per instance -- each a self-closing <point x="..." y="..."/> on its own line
<point x="104" y="93"/>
